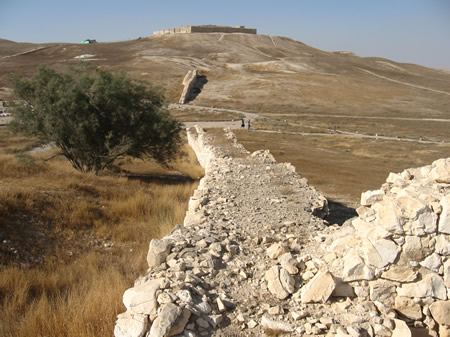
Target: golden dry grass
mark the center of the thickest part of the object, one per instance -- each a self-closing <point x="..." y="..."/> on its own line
<point x="77" y="241"/>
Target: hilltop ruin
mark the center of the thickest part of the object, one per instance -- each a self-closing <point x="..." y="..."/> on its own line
<point x="205" y="29"/>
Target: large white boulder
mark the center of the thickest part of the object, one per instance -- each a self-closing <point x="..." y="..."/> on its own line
<point x="141" y="299"/>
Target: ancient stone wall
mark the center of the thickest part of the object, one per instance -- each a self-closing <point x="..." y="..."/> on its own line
<point x="189" y="82"/>
<point x="205" y="29"/>
<point x="253" y="259"/>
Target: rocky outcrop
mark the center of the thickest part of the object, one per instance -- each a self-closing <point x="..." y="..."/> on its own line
<point x="253" y="258"/>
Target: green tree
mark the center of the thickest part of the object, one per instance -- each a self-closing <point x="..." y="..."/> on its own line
<point x="95" y="117"/>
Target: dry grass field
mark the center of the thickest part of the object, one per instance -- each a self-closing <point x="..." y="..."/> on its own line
<point x="71" y="243"/>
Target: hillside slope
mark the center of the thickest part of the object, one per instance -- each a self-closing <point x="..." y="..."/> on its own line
<point x="259" y="73"/>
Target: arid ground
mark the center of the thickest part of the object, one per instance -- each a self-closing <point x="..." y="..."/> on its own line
<point x="311" y="98"/>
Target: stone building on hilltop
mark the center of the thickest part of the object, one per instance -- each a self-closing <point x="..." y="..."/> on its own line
<point x="205" y="29"/>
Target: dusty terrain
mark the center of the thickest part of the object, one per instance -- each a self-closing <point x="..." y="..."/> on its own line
<point x="293" y="88"/>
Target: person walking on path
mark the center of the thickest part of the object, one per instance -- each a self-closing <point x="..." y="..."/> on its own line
<point x="248" y="123"/>
<point x="243" y="123"/>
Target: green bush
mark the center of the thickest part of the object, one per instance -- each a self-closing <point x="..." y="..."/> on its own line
<point x="95" y="117"/>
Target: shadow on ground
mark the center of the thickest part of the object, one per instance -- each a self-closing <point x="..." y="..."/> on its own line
<point x="339" y="213"/>
<point x="172" y="179"/>
<point x="197" y="89"/>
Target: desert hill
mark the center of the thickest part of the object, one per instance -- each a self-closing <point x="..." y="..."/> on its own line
<point x="299" y="92"/>
<point x="259" y="73"/>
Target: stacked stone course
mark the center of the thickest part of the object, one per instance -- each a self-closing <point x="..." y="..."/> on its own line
<point x="253" y="259"/>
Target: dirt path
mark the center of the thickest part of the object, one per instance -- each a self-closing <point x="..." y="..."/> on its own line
<point x="26" y="52"/>
<point x="322" y="131"/>
<point x="362" y="117"/>
<point x="404" y="83"/>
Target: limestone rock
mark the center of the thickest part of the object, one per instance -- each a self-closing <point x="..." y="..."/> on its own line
<point x="379" y="253"/>
<point x="170" y="321"/>
<point x="130" y="325"/>
<point x="444" y="331"/>
<point x="319" y="207"/>
<point x="289" y="263"/>
<point x="382" y="291"/>
<point x="408" y="308"/>
<point x="343" y="289"/>
<point x="400" y="274"/>
<point x="414" y="249"/>
<point x="158" y="252"/>
<point x="387" y="216"/>
<point x="444" y="219"/>
<point x="441" y="312"/>
<point x="441" y="171"/>
<point x="319" y="288"/>
<point x="276" y="250"/>
<point x="287" y="281"/>
<point x="279" y="282"/>
<point x="220" y="305"/>
<point x="142" y="298"/>
<point x="425" y="223"/>
<point x="443" y="245"/>
<point x="401" y="329"/>
<point x="447" y="273"/>
<point x="410" y="207"/>
<point x="343" y="244"/>
<point x="395" y="178"/>
<point x="276" y="325"/>
<point x="370" y="197"/>
<point x="432" y="262"/>
<point x="355" y="269"/>
<point x="193" y="218"/>
<point x="185" y="296"/>
<point x="430" y="285"/>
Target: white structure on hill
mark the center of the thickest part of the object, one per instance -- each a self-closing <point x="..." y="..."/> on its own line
<point x="205" y="29"/>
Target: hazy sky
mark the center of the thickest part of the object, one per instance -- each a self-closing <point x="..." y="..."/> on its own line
<point x="415" y="31"/>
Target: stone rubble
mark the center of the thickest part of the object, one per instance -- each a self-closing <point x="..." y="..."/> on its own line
<point x="253" y="258"/>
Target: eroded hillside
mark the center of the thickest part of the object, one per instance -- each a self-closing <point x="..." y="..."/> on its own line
<point x="260" y="73"/>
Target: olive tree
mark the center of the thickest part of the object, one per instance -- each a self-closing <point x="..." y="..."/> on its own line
<point x="95" y="116"/>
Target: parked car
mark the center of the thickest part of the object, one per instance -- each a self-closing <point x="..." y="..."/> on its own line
<point x="88" y="41"/>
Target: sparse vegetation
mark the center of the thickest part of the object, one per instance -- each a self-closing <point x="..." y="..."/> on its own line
<point x="71" y="243"/>
<point x="95" y="117"/>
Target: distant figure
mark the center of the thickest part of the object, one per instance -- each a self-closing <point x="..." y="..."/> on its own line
<point x="243" y="123"/>
<point x="248" y="123"/>
<point x="334" y="129"/>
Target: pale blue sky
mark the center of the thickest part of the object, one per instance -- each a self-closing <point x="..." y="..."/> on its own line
<point x="415" y="31"/>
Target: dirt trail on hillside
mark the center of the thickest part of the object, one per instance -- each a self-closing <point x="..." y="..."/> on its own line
<point x="404" y="83"/>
